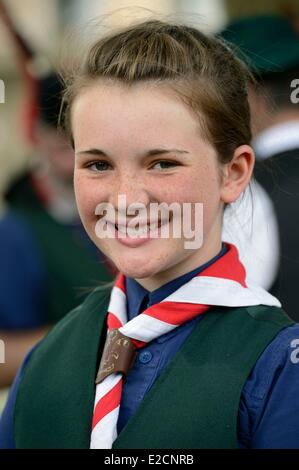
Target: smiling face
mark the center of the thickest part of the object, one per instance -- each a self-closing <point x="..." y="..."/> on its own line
<point x="144" y="143"/>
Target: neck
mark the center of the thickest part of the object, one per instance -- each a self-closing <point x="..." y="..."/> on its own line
<point x="203" y="255"/>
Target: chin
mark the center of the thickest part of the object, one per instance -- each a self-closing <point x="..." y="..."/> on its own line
<point x="138" y="270"/>
<point x="138" y="273"/>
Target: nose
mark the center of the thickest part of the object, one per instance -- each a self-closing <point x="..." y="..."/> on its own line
<point x="129" y="194"/>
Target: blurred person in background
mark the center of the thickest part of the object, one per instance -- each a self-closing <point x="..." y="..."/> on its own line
<point x="47" y="261"/>
<point x="270" y="46"/>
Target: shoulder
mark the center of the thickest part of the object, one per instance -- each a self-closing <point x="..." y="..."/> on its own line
<point x="281" y="355"/>
<point x="65" y="360"/>
<point x="269" y="404"/>
<point x="75" y="324"/>
<point x="95" y="301"/>
<point x="269" y="314"/>
<point x="265" y="320"/>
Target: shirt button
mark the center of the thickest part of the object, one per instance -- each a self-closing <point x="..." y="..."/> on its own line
<point x="145" y="357"/>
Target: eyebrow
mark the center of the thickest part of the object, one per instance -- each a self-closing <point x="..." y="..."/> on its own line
<point x="148" y="153"/>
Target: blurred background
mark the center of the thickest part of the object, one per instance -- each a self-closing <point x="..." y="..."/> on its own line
<point x="44" y="22"/>
<point x="44" y="27"/>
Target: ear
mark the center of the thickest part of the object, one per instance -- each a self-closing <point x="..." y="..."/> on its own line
<point x="237" y="174"/>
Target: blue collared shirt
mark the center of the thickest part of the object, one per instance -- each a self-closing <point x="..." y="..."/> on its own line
<point x="269" y="405"/>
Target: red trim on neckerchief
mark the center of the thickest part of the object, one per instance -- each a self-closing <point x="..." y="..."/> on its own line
<point x="226" y="267"/>
<point x="107" y="403"/>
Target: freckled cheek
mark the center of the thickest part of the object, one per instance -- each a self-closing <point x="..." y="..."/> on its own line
<point x="201" y="186"/>
<point x="196" y="188"/>
<point x="177" y="190"/>
<point x="183" y="190"/>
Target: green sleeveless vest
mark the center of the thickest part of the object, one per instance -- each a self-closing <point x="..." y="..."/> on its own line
<point x="193" y="404"/>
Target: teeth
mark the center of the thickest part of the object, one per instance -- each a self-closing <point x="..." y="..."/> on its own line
<point x="137" y="231"/>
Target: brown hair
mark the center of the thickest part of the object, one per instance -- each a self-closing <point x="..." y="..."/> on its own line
<point x="202" y="70"/>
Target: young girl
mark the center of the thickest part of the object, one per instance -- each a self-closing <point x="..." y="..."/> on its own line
<point x="188" y="355"/>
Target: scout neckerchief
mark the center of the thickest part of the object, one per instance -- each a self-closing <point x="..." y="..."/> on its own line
<point x="221" y="284"/>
